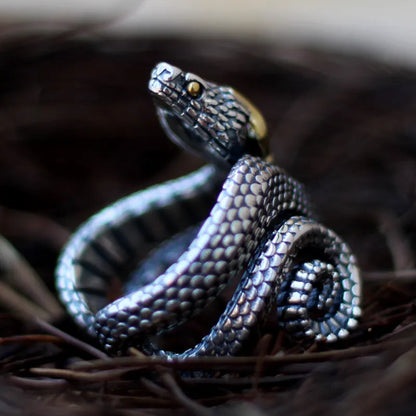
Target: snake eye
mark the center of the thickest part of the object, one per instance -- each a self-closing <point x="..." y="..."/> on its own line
<point x="194" y="89"/>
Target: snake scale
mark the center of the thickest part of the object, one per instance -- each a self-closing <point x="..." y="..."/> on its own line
<point x="175" y="246"/>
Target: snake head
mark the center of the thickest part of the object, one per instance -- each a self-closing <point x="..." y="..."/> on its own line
<point x="213" y="121"/>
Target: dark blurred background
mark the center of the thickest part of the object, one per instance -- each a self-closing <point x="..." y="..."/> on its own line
<point x="78" y="130"/>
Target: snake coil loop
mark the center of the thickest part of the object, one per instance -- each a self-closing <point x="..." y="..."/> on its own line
<point x="240" y="217"/>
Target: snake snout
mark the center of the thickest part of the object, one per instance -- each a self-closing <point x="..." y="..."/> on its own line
<point x="155" y="86"/>
<point x="165" y="72"/>
<point x="160" y="84"/>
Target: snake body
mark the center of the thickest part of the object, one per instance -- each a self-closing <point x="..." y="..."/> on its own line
<point x="241" y="217"/>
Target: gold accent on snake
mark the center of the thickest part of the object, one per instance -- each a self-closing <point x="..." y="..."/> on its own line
<point x="257" y="122"/>
<point x="194" y="88"/>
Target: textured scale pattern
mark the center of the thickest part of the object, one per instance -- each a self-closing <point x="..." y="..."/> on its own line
<point x="102" y="247"/>
<point x="253" y="197"/>
<point x="175" y="246"/>
<point x="263" y="281"/>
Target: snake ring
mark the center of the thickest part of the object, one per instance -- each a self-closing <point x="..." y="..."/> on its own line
<point x="175" y="246"/>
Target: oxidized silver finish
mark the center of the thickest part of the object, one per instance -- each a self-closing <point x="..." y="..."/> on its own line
<point x="241" y="217"/>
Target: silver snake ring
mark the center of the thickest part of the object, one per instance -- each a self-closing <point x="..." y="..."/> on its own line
<point x="175" y="246"/>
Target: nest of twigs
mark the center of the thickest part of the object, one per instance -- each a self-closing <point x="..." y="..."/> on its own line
<point x="78" y="130"/>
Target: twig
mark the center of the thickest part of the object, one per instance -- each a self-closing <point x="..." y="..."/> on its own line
<point x="262" y="346"/>
<point x="155" y="389"/>
<point x="29" y="339"/>
<point x="182" y="398"/>
<point x="14" y="302"/>
<point x="39" y="384"/>
<point x="136" y="353"/>
<point x="245" y="381"/>
<point x="19" y="274"/>
<point x="106" y="375"/>
<point x="15" y="363"/>
<point x="72" y="340"/>
<point x="400" y="331"/>
<point x="240" y="363"/>
<point x="396" y="241"/>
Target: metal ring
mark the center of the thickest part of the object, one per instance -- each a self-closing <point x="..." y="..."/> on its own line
<point x="241" y="216"/>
